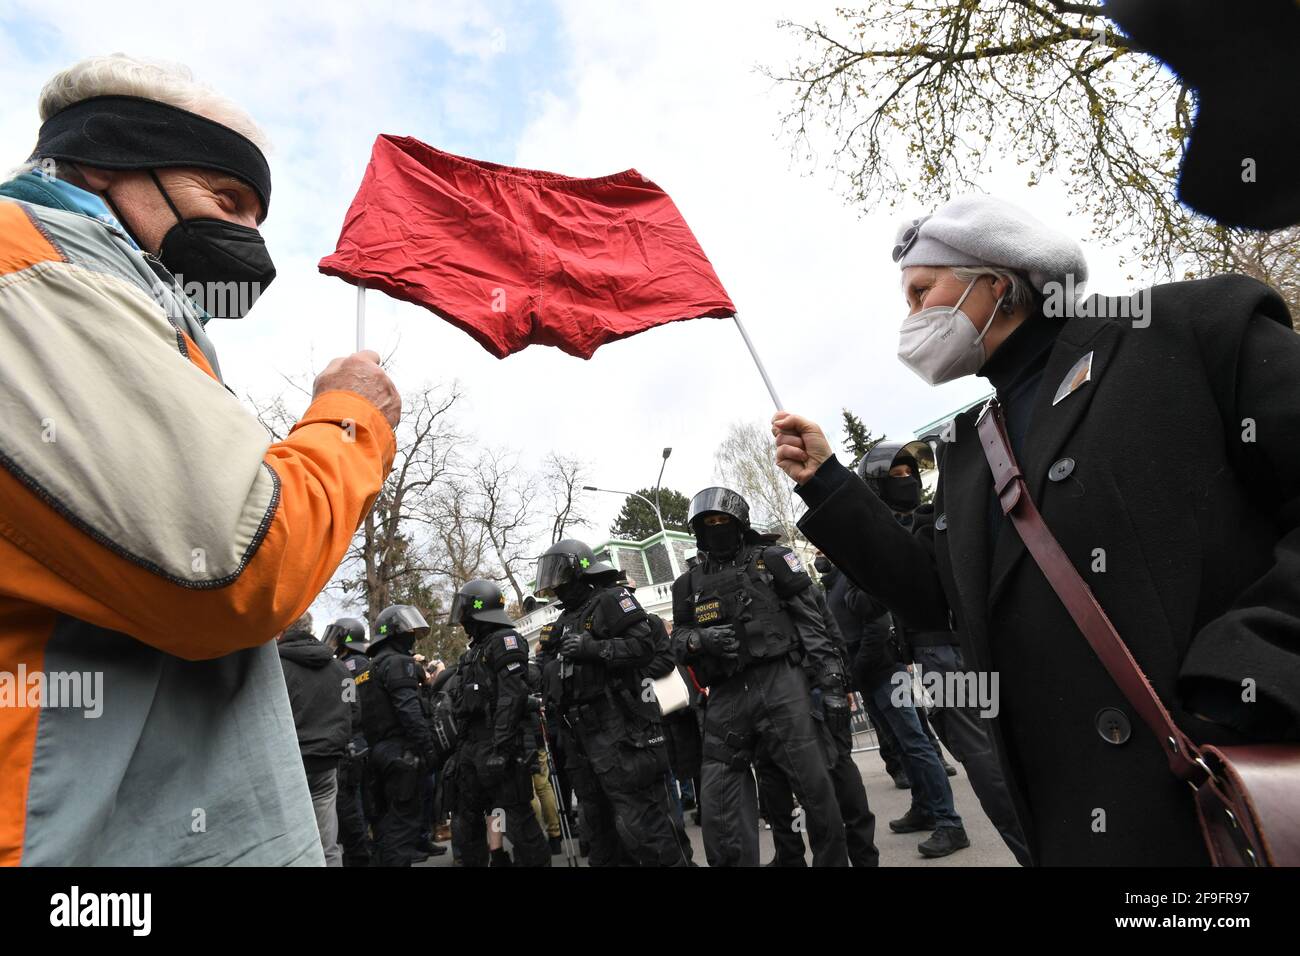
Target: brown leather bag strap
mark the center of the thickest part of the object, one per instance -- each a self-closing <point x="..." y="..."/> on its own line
<point x="1013" y="494"/>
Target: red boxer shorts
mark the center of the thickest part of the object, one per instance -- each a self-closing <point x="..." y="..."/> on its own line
<point x="519" y="256"/>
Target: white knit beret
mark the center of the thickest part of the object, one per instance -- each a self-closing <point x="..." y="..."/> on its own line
<point x="985" y="231"/>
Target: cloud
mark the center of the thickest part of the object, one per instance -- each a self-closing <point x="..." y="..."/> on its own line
<point x="587" y="89"/>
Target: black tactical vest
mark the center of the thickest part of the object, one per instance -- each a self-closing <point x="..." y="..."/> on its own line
<point x="743" y="596"/>
<point x="478" y="688"/>
<point x="378" y="715"/>
<point x="582" y="681"/>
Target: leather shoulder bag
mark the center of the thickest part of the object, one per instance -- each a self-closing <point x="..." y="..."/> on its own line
<point x="1247" y="796"/>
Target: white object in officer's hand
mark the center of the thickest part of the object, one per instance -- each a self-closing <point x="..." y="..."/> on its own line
<point x="671" y="692"/>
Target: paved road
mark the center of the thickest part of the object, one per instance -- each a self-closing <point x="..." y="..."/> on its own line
<point x="887" y="803"/>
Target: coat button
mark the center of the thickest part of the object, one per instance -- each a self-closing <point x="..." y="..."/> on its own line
<point x="941" y="522"/>
<point x="1114" y="726"/>
<point x="1061" y="470"/>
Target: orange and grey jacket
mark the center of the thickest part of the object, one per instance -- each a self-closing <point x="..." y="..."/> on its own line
<point x="152" y="542"/>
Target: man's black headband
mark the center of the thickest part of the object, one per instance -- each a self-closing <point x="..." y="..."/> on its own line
<point x="129" y="132"/>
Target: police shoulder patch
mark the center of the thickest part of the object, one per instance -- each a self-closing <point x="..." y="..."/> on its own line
<point x="792" y="560"/>
<point x="627" y="604"/>
<point x="511" y="642"/>
<point x="350" y="664"/>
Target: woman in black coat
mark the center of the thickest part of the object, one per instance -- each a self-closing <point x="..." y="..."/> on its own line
<point x="1160" y="438"/>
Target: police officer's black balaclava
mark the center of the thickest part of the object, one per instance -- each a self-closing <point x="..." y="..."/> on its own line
<point x="477" y="629"/>
<point x="572" y="593"/>
<point x="902" y="492"/>
<point x="720" y="541"/>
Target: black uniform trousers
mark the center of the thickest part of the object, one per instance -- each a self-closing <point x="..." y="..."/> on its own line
<point x="623" y="795"/>
<point x="354" y="833"/>
<point x="851" y="794"/>
<point x="396" y="772"/>
<point x="508" y="802"/>
<point x="764" y="708"/>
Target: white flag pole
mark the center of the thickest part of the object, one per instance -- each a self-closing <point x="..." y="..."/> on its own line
<point x="361" y="317"/>
<point x="771" y="389"/>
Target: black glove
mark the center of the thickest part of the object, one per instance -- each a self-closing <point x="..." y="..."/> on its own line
<point x="836" y="710"/>
<point x="534" y="704"/>
<point x="581" y="647"/>
<point x="493" y="773"/>
<point x="719" y="641"/>
<point x="534" y="763"/>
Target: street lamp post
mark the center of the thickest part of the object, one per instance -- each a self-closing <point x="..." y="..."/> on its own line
<point x="631" y="494"/>
<point x="659" y="481"/>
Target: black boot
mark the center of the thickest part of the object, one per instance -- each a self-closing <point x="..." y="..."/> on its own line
<point x="901" y="780"/>
<point x="912" y="821"/>
<point x="500" y="858"/>
<point x="944" y="841"/>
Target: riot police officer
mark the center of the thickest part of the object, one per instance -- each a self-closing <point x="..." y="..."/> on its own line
<point x="346" y="637"/>
<point x="745" y="620"/>
<point x="598" y="659"/>
<point x="492" y="775"/>
<point x="396" y="725"/>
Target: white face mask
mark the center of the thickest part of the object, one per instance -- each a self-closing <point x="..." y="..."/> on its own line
<point x="940" y="343"/>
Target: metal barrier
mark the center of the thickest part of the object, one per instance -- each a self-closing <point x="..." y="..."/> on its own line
<point x="860" y="725"/>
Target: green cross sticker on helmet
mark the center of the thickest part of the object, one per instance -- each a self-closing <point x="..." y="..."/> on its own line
<point x="479" y="602"/>
<point x="585" y="563"/>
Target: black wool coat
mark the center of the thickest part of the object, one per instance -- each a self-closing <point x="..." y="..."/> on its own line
<point x="1171" y="479"/>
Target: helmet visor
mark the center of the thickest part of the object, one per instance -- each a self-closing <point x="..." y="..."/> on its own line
<point x="333" y="636"/>
<point x="553" y="570"/>
<point x="457" y="609"/>
<point x="718" y="499"/>
<point x="407" y="620"/>
<point x="919" y="454"/>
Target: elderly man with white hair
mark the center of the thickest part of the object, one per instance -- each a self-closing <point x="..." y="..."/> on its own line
<point x="1159" y="444"/>
<point x="151" y="535"/>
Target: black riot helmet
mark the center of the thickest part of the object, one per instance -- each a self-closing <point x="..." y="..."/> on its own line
<point x="402" y="624"/>
<point x="479" y="601"/>
<point x="719" y="540"/>
<point x="900" y="493"/>
<point x="567" y="563"/>
<point x="346" y="632"/>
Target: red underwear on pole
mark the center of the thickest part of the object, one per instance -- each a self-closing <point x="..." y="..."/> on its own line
<point x="517" y="257"/>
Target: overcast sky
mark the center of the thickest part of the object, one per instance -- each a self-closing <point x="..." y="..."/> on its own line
<point x="584" y="89"/>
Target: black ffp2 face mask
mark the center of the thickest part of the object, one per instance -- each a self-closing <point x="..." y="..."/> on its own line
<point x="223" y="266"/>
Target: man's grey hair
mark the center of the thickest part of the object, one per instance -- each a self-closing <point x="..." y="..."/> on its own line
<point x="301" y="626"/>
<point x="1020" y="293"/>
<point x="160" y="80"/>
